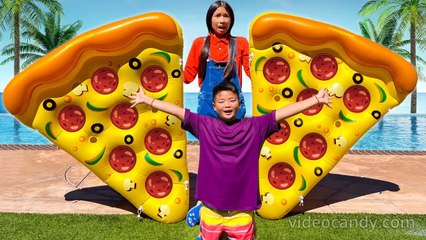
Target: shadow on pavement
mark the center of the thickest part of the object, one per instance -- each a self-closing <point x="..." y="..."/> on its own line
<point x="335" y="188"/>
<point x="102" y="195"/>
<point x="331" y="189"/>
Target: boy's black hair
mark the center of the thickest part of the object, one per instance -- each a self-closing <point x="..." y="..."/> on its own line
<point x="225" y="86"/>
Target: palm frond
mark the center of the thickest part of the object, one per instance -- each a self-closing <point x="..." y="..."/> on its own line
<point x="387" y="32"/>
<point x="42" y="35"/>
<point x="367" y="29"/>
<point x="7" y="50"/>
<point x="371" y="7"/>
<point x="7" y="60"/>
<point x="30" y="59"/>
<point x="400" y="44"/>
<point x="32" y="48"/>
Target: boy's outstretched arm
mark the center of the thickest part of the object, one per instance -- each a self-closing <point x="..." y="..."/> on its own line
<point x="141" y="97"/>
<point x="322" y="97"/>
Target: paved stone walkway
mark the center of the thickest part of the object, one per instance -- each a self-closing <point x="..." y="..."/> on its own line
<point x="38" y="179"/>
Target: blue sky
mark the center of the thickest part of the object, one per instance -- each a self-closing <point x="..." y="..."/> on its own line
<point x="190" y="14"/>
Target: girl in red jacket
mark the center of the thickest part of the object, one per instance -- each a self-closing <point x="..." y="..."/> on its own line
<point x="217" y="57"/>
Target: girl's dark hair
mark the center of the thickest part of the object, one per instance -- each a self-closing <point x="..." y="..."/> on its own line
<point x="225" y="86"/>
<point x="230" y="66"/>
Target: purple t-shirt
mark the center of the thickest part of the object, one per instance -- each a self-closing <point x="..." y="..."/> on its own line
<point x="228" y="171"/>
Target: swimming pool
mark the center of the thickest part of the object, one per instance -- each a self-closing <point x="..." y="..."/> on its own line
<point x="13" y="132"/>
<point x="396" y="131"/>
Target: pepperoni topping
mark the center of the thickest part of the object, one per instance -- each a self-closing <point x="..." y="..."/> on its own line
<point x="158" y="184"/>
<point x="104" y="80"/>
<point x="324" y="66"/>
<point x="281" y="176"/>
<point x="281" y="136"/>
<point x="124" y="116"/>
<point x="313" y="146"/>
<point x="305" y="94"/>
<point x="72" y="118"/>
<point x="154" y="79"/>
<point x="158" y="141"/>
<point x="357" y="98"/>
<point x="276" y="70"/>
<point x="122" y="159"/>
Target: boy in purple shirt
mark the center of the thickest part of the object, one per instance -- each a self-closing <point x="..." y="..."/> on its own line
<point x="228" y="169"/>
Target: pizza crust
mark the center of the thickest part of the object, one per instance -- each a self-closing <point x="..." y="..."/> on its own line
<point x="61" y="70"/>
<point x="311" y="37"/>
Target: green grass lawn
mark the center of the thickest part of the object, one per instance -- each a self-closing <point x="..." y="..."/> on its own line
<point x="300" y="226"/>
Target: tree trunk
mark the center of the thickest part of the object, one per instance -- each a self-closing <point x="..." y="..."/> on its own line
<point x="414" y="101"/>
<point x="413" y="61"/>
<point x="16" y="43"/>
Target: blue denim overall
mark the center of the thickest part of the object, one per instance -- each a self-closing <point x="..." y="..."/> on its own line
<point x="213" y="76"/>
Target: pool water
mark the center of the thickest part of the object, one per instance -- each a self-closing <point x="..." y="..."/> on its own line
<point x="396" y="131"/>
<point x="14" y="132"/>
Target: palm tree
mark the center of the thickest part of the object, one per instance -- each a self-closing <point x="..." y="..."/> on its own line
<point x="410" y="13"/>
<point x="13" y="13"/>
<point x="1" y="17"/>
<point x="389" y="38"/>
<point x="52" y="36"/>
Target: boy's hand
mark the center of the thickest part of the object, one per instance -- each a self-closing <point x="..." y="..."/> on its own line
<point x="138" y="97"/>
<point x="324" y="97"/>
<point x="170" y="108"/>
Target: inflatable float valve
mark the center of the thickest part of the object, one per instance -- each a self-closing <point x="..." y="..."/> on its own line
<point x="186" y="185"/>
<point x="140" y="211"/>
<point x="301" y="200"/>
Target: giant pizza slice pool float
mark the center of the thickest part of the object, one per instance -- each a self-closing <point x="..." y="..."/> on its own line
<point x="78" y="97"/>
<point x="292" y="58"/>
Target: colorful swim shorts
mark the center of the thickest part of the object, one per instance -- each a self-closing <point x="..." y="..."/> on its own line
<point x="236" y="224"/>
